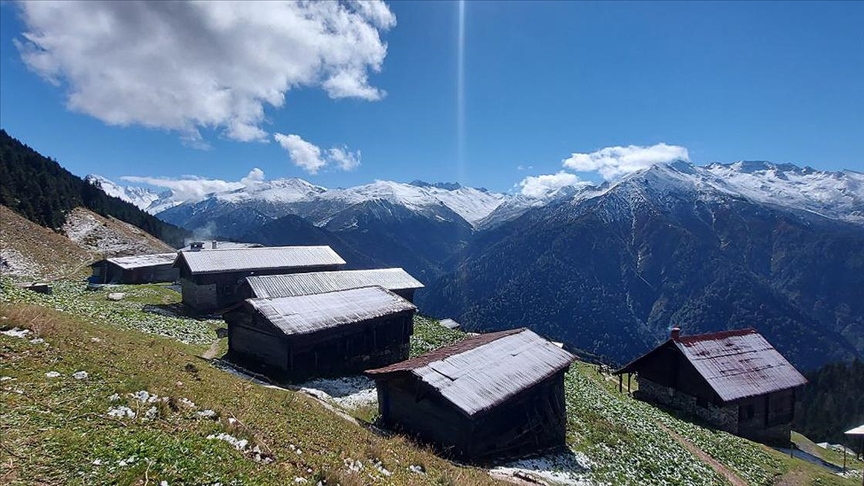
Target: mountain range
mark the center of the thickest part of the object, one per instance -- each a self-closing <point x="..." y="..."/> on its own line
<point x="606" y="268"/>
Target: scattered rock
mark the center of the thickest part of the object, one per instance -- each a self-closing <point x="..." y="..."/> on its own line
<point x="114" y="398"/>
<point x="115" y="296"/>
<point x="80" y="375"/>
<point x="52" y="374"/>
<point x="6" y="378"/>
<point x="239" y="444"/>
<point x="416" y="469"/>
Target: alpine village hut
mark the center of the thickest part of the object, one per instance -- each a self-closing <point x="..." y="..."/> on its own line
<point x="493" y="395"/>
<point x="395" y="280"/>
<point x="327" y="334"/>
<point x="733" y="380"/>
<point x="138" y="269"/>
<point x="210" y="280"/>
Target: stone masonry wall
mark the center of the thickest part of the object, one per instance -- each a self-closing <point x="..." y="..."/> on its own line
<point x="724" y="418"/>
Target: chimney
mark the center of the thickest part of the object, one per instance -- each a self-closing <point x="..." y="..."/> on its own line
<point x="214" y="244"/>
<point x="676" y="333"/>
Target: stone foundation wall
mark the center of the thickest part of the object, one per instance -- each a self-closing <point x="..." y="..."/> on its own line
<point x="724" y="418"/>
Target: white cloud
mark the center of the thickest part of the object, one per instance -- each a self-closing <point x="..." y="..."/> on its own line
<point x="183" y="66"/>
<point x="344" y="159"/>
<point x="612" y="162"/>
<point x="545" y="185"/>
<point x="305" y="155"/>
<point x="524" y="167"/>
<point x="311" y="158"/>
<point x="196" y="188"/>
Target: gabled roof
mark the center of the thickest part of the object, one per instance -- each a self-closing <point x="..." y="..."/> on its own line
<point x="249" y="259"/>
<point x="736" y="364"/>
<point x="318" y="282"/>
<point x="306" y="314"/>
<point x="481" y="372"/>
<point x="856" y="431"/>
<point x="138" y="261"/>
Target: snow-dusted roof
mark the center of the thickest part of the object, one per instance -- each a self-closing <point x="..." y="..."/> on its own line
<point x="450" y="324"/>
<point x="736" y="364"/>
<point x="305" y="314"/>
<point x="248" y="259"/>
<point x="856" y="431"/>
<point x="138" y="261"/>
<point x="481" y="372"/>
<point x="318" y="282"/>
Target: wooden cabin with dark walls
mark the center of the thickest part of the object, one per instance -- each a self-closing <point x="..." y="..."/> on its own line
<point x="733" y="380"/>
<point x="327" y="334"/>
<point x="490" y="396"/>
<point x="395" y="280"/>
<point x="138" y="269"/>
<point x="211" y="279"/>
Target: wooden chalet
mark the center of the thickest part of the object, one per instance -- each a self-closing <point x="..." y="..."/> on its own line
<point x="138" y="269"/>
<point x="326" y="334"/>
<point x="733" y="380"/>
<point x="395" y="280"/>
<point x="211" y="279"/>
<point x="493" y="395"/>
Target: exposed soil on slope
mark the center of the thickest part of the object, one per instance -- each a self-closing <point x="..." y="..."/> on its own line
<point x="110" y="237"/>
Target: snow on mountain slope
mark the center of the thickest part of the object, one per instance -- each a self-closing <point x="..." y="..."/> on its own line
<point x="275" y="191"/>
<point x="469" y="203"/>
<point x="833" y="195"/>
<point x="138" y="196"/>
<point x="836" y="195"/>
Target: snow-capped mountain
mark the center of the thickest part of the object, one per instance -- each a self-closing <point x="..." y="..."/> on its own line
<point x="138" y="196"/>
<point x="806" y="191"/>
<point x="469" y="203"/>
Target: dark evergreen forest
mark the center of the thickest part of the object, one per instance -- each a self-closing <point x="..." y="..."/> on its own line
<point x="42" y="191"/>
<point x="832" y="403"/>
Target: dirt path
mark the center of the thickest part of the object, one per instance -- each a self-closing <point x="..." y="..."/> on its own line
<point x="716" y="466"/>
<point x="211" y="353"/>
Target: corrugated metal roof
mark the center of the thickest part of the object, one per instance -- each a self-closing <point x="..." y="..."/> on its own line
<point x="318" y="282"/>
<point x="138" y="261"/>
<point x="736" y="364"/>
<point x="856" y="431"/>
<point x="222" y="245"/>
<point x="306" y="314"/>
<point x="248" y="259"/>
<point x="739" y="364"/>
<point x="480" y="372"/>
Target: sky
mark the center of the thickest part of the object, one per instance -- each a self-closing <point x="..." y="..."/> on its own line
<point x="510" y="96"/>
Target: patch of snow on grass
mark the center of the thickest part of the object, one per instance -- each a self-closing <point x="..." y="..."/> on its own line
<point x="80" y="375"/>
<point x="562" y="468"/>
<point x="210" y="414"/>
<point x="239" y="444"/>
<point x="348" y="392"/>
<point x="16" y="332"/>
<point x="121" y="411"/>
<point x="52" y="374"/>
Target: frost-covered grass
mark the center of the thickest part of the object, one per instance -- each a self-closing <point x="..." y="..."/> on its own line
<point x="75" y="299"/>
<point x="623" y="442"/>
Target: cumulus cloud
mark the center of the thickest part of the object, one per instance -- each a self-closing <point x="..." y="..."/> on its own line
<point x="545" y="185"/>
<point x="311" y="158"/>
<point x="197" y="188"/>
<point x="344" y="159"/>
<point x="184" y="66"/>
<point x="612" y="162"/>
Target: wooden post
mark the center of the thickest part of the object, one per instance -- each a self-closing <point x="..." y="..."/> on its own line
<point x="628" y="383"/>
<point x="620" y="383"/>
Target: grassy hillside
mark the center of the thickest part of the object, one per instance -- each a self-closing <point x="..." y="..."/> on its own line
<point x="30" y="250"/>
<point x="59" y="429"/>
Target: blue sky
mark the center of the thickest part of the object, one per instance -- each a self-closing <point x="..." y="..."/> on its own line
<point x="726" y="81"/>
